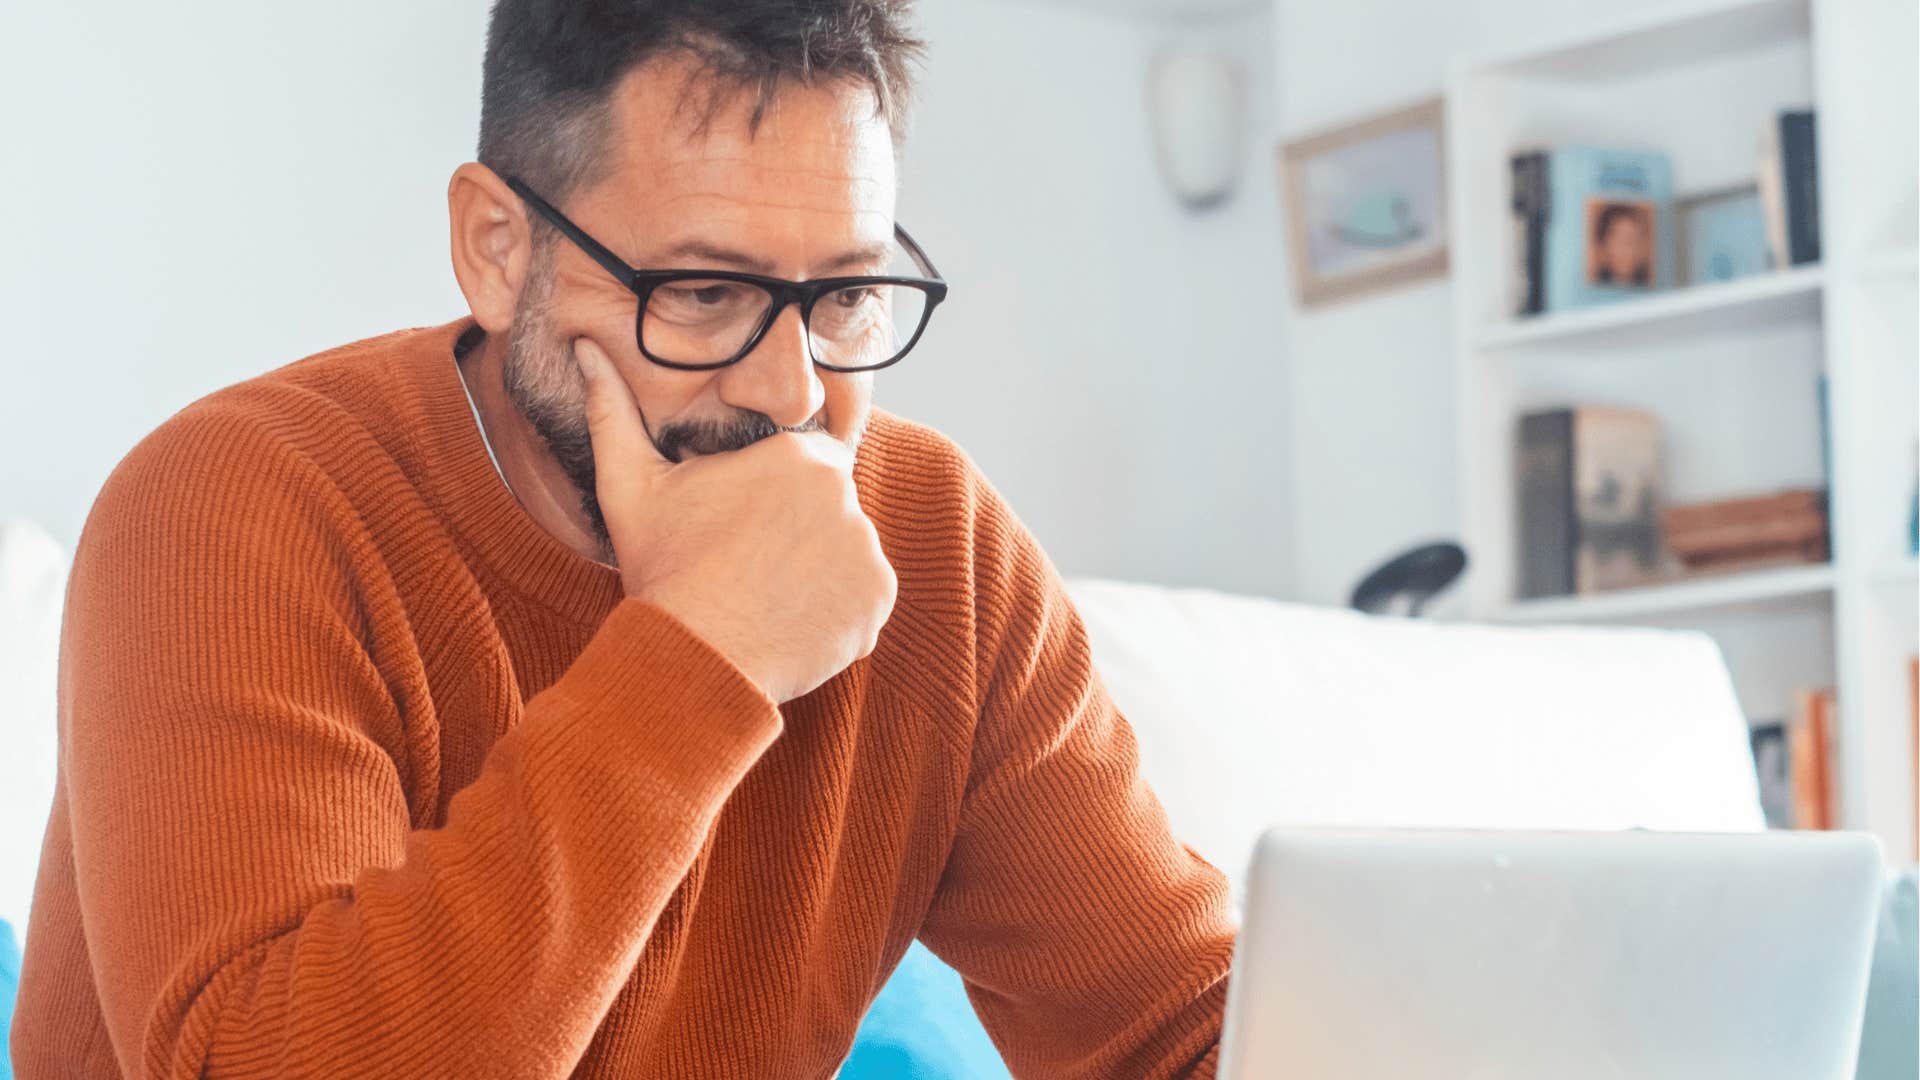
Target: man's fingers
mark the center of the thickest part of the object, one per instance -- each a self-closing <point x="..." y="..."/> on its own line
<point x="826" y="448"/>
<point x="621" y="445"/>
<point x="816" y="443"/>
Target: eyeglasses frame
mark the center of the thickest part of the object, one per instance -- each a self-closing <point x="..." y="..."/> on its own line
<point x="805" y="294"/>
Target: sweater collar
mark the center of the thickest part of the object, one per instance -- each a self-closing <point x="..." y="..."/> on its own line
<point x="461" y="481"/>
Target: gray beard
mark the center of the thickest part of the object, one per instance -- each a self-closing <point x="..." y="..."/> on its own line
<point x="543" y="381"/>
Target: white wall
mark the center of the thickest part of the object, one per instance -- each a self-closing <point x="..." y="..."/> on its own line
<point x="1372" y="383"/>
<point x="1110" y="360"/>
<point x="200" y="195"/>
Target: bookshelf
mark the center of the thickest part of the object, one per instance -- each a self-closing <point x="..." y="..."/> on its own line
<point x="1787" y="294"/>
<point x="1731" y="368"/>
<point x="1699" y="594"/>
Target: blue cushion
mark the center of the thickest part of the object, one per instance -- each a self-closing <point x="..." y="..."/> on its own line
<point x="9" y="985"/>
<point x="922" y="1027"/>
<point x="1890" y="1034"/>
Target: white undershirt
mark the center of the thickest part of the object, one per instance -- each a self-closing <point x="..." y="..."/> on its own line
<point x="479" y="424"/>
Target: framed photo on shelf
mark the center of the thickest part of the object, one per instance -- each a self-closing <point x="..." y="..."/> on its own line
<point x="1366" y="204"/>
<point x="1723" y="235"/>
<point x="1620" y="242"/>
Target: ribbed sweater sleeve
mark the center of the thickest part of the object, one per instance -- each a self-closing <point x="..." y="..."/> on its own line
<point x="1093" y="943"/>
<point x="256" y="895"/>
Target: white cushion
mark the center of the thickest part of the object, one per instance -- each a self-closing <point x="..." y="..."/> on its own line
<point x="1252" y="712"/>
<point x="33" y="574"/>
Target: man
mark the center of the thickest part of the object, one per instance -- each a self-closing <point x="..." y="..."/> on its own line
<point x="597" y="686"/>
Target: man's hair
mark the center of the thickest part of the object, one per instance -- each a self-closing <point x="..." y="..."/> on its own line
<point x="551" y="66"/>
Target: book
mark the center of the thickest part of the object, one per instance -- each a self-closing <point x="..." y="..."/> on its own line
<point x="1597" y="224"/>
<point x="1800" y="182"/>
<point x="1529" y="201"/>
<point x="1779" y="534"/>
<point x="1589" y="490"/>
<point x="1811" y="760"/>
<point x="1545" y="461"/>
<point x="1823" y="400"/>
<point x="1826" y="721"/>
<point x="1746" y="510"/>
<point x="1740" y="562"/>
<point x="1773" y="198"/>
<point x="1748" y="540"/>
<point x="1802" y="767"/>
<point x="1913" y="510"/>
<point x="1748" y="527"/>
<point x="1768" y="740"/>
<point x="1789" y="184"/>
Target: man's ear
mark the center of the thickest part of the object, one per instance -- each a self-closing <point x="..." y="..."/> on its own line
<point x="492" y="244"/>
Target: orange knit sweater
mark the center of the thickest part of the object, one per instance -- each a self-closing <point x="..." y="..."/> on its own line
<point x="362" y="773"/>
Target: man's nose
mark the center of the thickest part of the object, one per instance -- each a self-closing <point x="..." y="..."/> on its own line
<point x="778" y="377"/>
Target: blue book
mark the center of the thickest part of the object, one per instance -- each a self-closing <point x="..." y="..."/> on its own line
<point x="1609" y="230"/>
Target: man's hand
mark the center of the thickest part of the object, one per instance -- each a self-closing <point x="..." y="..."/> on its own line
<point x="763" y="552"/>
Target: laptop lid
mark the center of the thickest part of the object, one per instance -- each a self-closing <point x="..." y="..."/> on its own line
<point x="1376" y="954"/>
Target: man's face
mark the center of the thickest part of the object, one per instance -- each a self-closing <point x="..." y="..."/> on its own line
<point x="815" y="183"/>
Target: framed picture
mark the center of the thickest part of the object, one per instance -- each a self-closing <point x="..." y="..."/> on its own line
<point x="1620" y="242"/>
<point x="1366" y="204"/>
<point x="1723" y="235"/>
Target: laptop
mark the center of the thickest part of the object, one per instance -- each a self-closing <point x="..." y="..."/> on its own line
<point x="1410" y="954"/>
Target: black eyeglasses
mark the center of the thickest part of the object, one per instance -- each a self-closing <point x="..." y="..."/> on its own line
<point x="699" y="320"/>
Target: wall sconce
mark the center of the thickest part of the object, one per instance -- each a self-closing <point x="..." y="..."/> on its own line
<point x="1197" y="102"/>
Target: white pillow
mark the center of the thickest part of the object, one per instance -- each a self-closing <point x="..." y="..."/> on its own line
<point x="1252" y="712"/>
<point x="33" y="574"/>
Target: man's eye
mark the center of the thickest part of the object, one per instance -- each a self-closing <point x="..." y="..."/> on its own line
<point x="705" y="295"/>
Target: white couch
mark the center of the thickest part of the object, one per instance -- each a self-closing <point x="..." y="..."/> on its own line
<point x="1251" y="712"/>
<point x="33" y="575"/>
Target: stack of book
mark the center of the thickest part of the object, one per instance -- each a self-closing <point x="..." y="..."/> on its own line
<point x="1797" y="761"/>
<point x="1747" y="534"/>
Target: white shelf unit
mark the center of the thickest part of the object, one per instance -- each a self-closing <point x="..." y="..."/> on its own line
<point x="1895" y="574"/>
<point x="1730" y="369"/>
<point x="1697" y="595"/>
<point x="1787" y="294"/>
